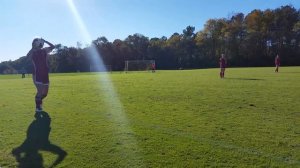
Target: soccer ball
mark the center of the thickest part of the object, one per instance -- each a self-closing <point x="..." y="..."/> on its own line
<point x="38" y="43"/>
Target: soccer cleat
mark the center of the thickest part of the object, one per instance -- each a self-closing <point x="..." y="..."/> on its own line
<point x="38" y="113"/>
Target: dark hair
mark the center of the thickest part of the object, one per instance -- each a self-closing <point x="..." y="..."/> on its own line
<point x="34" y="40"/>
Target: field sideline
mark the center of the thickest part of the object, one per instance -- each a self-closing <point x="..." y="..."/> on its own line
<point x="188" y="118"/>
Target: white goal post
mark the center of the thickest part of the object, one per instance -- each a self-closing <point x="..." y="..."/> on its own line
<point x="139" y="65"/>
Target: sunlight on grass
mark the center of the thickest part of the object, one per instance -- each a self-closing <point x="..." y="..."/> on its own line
<point x="187" y="118"/>
<point x="113" y="104"/>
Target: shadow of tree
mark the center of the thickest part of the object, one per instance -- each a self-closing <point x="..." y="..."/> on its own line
<point x="27" y="154"/>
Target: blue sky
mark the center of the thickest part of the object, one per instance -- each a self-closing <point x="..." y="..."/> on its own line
<point x="22" y="20"/>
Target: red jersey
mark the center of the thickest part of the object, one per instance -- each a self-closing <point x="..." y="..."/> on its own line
<point x="222" y="62"/>
<point x="40" y="66"/>
<point x="153" y="66"/>
<point x="277" y="61"/>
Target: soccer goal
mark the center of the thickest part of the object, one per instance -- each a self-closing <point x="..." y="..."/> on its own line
<point x="139" y="65"/>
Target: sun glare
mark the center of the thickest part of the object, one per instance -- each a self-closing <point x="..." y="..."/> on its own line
<point x="112" y="100"/>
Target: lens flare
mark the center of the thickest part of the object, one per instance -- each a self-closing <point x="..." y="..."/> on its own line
<point x="112" y="100"/>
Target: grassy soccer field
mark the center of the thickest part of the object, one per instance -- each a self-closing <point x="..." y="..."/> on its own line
<point x="189" y="118"/>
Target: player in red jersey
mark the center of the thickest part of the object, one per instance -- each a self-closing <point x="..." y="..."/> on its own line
<point x="40" y="74"/>
<point x="222" y="63"/>
<point x="153" y="67"/>
<point x="277" y="63"/>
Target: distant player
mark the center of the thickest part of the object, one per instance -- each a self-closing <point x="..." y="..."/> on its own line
<point x="23" y="73"/>
<point x="40" y="74"/>
<point x="277" y="63"/>
<point x="222" y="63"/>
<point x="153" y="67"/>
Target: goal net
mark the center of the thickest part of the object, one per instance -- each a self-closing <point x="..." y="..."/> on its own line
<point x="139" y="65"/>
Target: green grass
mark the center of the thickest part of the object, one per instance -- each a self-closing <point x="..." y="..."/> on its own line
<point x="185" y="118"/>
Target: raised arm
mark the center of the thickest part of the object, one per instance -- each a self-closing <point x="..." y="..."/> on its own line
<point x="51" y="46"/>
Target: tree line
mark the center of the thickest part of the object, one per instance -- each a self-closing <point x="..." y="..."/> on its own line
<point x="251" y="40"/>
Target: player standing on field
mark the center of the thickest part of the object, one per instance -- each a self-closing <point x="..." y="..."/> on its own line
<point x="222" y="63"/>
<point x="277" y="63"/>
<point x="153" y="67"/>
<point x="40" y="74"/>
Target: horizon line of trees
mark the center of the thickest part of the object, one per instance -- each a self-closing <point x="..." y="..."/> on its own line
<point x="251" y="40"/>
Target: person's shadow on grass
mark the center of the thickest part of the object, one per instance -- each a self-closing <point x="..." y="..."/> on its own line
<point x="27" y="154"/>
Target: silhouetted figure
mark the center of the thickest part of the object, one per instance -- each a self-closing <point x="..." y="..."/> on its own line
<point x="23" y="72"/>
<point x="222" y="62"/>
<point x="277" y="62"/>
<point x="27" y="154"/>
